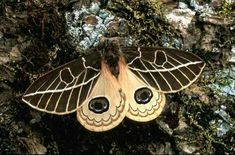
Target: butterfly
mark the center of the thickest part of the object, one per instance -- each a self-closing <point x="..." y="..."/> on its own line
<point x="114" y="82"/>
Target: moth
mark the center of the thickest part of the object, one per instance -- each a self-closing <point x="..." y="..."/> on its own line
<point x="113" y="82"/>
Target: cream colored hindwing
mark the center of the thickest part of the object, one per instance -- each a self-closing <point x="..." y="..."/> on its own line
<point x="106" y="106"/>
<point x="145" y="103"/>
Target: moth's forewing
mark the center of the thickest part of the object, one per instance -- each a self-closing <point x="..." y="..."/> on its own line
<point x="62" y="90"/>
<point x="167" y="70"/>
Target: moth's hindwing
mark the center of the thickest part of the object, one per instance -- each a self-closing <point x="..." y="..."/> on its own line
<point x="145" y="102"/>
<point x="106" y="106"/>
<point x="167" y="70"/>
<point x="62" y="90"/>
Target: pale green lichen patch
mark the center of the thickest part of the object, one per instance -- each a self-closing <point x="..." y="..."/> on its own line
<point x="224" y="82"/>
<point x="223" y="123"/>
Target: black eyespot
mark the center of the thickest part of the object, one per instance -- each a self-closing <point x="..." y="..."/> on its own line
<point x="99" y="105"/>
<point x="143" y="95"/>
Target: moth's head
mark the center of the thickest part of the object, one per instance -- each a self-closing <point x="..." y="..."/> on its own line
<point x="109" y="45"/>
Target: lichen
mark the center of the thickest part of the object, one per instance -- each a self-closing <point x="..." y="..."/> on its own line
<point x="224" y="82"/>
<point x="203" y="120"/>
<point x="87" y="25"/>
<point x="226" y="10"/>
<point x="212" y="123"/>
<point x="146" y="22"/>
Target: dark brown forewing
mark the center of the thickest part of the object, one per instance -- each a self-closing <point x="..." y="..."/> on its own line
<point x="63" y="89"/>
<point x="168" y="70"/>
